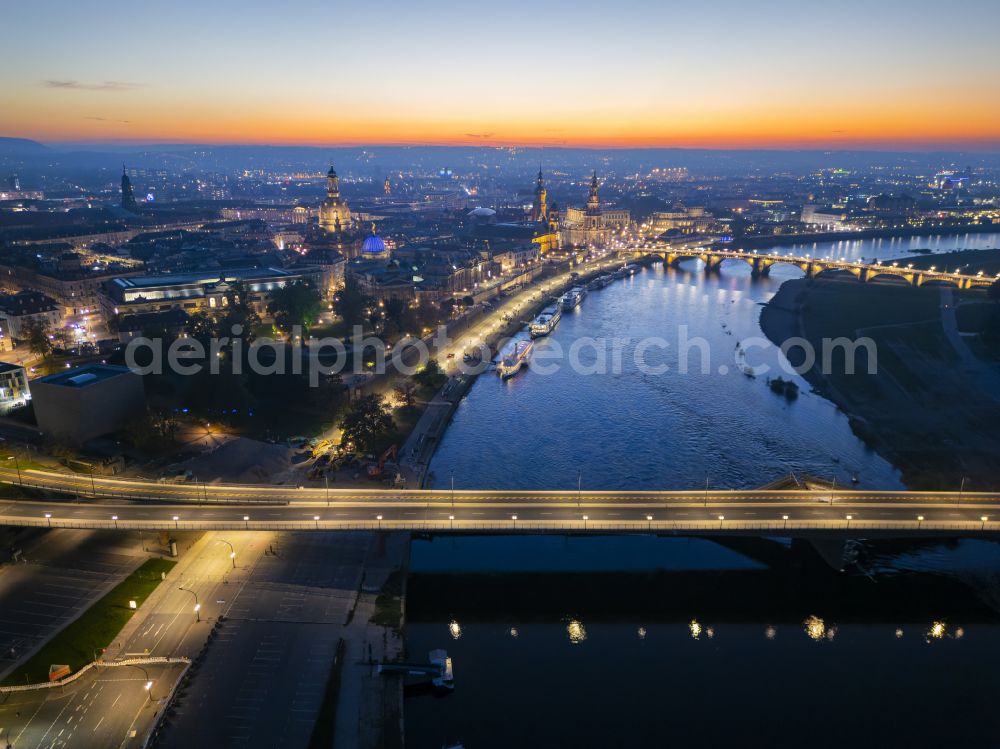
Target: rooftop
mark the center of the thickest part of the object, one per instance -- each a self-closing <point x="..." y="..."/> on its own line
<point x="88" y="374"/>
<point x="206" y="276"/>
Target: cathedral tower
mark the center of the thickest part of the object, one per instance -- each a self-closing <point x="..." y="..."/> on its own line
<point x="539" y="206"/>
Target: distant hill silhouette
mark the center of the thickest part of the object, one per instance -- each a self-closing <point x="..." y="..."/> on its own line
<point x="17" y="146"/>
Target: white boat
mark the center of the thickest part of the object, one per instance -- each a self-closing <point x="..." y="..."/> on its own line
<point x="546" y="322"/>
<point x="511" y="364"/>
<point x="446" y="679"/>
<point x="573" y="297"/>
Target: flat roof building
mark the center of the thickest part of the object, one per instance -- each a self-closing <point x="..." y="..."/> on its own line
<point x="86" y="402"/>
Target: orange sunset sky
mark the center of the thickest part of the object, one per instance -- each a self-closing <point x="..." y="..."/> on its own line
<point x="632" y="73"/>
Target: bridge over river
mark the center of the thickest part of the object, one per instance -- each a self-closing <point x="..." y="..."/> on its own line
<point x="761" y="264"/>
<point x="133" y="504"/>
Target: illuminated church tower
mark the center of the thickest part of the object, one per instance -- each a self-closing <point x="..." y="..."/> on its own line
<point x="539" y="205"/>
<point x="334" y="215"/>
<point x="593" y="210"/>
<point x="128" y="195"/>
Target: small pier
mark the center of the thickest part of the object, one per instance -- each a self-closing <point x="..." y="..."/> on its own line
<point x="437" y="671"/>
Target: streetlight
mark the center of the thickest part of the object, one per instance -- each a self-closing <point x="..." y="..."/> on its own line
<point x="17" y="465"/>
<point x="649" y="522"/>
<point x="984" y="519"/>
<point x="197" y="605"/>
<point x="379" y="519"/>
<point x="920" y="520"/>
<point x="176" y="518"/>
<point x="451" y="521"/>
<point x="48" y="519"/>
<point x="849" y="519"/>
<point x="115" y="518"/>
<point x="784" y="521"/>
<point x="721" y="518"/>
<point x="246" y="522"/>
<point x="149" y="682"/>
<point x="514" y="519"/>
<point x="232" y="551"/>
<point x="316" y="520"/>
<point x="585" y="519"/>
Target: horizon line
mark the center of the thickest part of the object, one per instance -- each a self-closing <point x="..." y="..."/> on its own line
<point x="984" y="147"/>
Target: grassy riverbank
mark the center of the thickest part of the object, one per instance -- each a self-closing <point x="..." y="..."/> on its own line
<point x="931" y="406"/>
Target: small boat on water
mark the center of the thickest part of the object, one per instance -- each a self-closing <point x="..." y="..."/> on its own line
<point x="511" y="364"/>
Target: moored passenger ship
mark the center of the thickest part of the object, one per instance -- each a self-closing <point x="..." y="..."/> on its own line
<point x="573" y="297"/>
<point x="511" y="364"/>
<point x="545" y="322"/>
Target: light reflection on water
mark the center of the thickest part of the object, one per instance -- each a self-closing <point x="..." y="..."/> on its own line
<point x="776" y="667"/>
<point x="634" y="430"/>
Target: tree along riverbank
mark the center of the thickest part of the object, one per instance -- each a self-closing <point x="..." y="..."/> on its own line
<point x="932" y="404"/>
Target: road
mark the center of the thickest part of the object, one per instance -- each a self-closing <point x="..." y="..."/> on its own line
<point x="264" y="675"/>
<point x="106" y="707"/>
<point x="87" y="487"/>
<point x="777" y="512"/>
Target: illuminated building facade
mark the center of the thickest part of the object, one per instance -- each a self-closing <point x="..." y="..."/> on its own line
<point x="334" y="214"/>
<point x="592" y="226"/>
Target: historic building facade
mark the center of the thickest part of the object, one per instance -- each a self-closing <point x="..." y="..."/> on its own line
<point x="592" y="226"/>
<point x="334" y="213"/>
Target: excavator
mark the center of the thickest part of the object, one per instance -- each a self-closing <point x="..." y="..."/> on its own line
<point x="375" y="469"/>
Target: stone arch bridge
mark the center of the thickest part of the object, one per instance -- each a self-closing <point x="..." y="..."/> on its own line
<point x="761" y="264"/>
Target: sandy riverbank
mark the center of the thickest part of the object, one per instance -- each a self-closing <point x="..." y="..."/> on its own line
<point x="931" y="407"/>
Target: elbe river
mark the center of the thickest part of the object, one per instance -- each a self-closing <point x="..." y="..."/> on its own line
<point x="645" y="641"/>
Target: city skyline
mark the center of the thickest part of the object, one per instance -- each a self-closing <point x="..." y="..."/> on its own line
<point x="719" y="76"/>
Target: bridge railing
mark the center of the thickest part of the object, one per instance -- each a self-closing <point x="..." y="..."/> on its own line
<point x="776" y="526"/>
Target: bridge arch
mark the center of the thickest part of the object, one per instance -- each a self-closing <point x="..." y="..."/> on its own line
<point x="838" y="272"/>
<point x="882" y="276"/>
<point x="787" y="263"/>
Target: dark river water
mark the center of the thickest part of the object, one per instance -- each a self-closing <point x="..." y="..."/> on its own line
<point x="646" y="641"/>
<point x="628" y="428"/>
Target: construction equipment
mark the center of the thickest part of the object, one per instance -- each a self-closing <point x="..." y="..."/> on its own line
<point x="375" y="469"/>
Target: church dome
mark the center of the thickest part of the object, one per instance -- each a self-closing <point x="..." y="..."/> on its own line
<point x="373" y="244"/>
